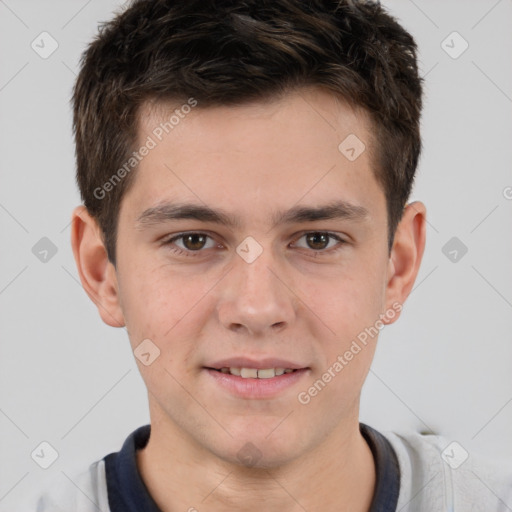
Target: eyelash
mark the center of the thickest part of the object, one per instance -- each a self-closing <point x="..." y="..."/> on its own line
<point x="189" y="253"/>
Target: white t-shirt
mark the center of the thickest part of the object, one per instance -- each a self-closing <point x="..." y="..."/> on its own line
<point x="415" y="473"/>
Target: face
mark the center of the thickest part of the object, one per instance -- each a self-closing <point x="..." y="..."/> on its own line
<point x="248" y="239"/>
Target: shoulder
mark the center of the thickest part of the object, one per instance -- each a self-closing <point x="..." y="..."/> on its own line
<point x="439" y="474"/>
<point x="83" y="491"/>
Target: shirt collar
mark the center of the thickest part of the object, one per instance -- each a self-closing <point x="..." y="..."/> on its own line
<point x="128" y="493"/>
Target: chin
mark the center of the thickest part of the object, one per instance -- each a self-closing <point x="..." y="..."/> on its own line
<point x="261" y="447"/>
<point x="253" y="457"/>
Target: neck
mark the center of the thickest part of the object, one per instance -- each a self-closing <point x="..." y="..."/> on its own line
<point x="181" y="475"/>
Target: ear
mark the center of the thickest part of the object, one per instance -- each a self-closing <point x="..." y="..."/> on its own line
<point x="406" y="255"/>
<point x="97" y="274"/>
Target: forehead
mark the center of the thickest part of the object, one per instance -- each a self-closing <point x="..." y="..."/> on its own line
<point x="287" y="150"/>
<point x="308" y="113"/>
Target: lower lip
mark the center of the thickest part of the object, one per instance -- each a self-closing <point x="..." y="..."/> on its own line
<point x="256" y="388"/>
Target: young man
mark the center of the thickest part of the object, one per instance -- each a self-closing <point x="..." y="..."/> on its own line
<point x="245" y="168"/>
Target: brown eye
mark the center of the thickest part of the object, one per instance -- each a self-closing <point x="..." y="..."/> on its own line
<point x="320" y="241"/>
<point x="194" y="241"/>
<point x="317" y="241"/>
<point x="190" y="244"/>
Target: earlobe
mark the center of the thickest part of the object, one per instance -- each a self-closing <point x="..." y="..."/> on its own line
<point x="96" y="272"/>
<point x="406" y="254"/>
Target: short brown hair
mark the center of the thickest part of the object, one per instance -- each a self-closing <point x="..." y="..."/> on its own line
<point x="231" y="52"/>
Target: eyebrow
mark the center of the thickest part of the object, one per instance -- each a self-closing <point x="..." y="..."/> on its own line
<point x="169" y="211"/>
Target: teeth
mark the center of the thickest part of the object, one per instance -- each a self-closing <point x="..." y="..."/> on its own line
<point x="249" y="373"/>
<point x="266" y="374"/>
<point x="253" y="373"/>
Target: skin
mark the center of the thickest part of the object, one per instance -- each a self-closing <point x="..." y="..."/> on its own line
<point x="305" y="303"/>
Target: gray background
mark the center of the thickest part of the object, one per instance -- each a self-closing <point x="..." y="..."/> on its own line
<point x="69" y="380"/>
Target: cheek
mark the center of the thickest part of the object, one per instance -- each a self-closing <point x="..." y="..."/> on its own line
<point x="164" y="310"/>
<point x="346" y="303"/>
<point x="349" y="305"/>
<point x="169" y="309"/>
<point x="155" y="294"/>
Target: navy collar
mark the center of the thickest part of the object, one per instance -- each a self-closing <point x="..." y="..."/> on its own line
<point x="387" y="469"/>
<point x="127" y="492"/>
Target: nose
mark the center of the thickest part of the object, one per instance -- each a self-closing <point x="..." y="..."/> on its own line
<point x="256" y="299"/>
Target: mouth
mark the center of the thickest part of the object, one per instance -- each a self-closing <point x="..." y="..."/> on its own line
<point x="254" y="373"/>
<point x="247" y="379"/>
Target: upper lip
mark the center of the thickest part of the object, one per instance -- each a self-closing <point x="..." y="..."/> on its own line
<point x="261" y="364"/>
